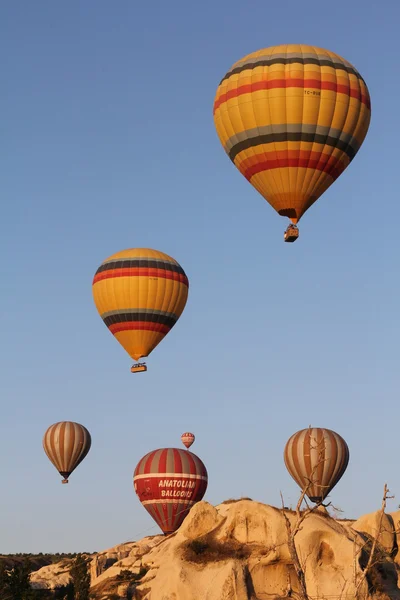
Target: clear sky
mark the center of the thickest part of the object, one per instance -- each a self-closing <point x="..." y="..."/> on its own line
<point x="108" y="142"/>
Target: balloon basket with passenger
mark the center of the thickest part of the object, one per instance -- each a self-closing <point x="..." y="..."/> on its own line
<point x="291" y="234"/>
<point x="138" y="368"/>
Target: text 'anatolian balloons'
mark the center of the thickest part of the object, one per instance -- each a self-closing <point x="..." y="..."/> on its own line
<point x="168" y="482"/>
<point x="316" y="458"/>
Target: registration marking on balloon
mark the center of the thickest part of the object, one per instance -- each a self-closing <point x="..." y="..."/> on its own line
<point x="311" y="93"/>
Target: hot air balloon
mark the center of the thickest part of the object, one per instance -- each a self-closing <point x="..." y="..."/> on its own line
<point x="291" y="118"/>
<point x="316" y="458"/>
<point x="187" y="439"/>
<point x="168" y="482"/>
<point x="140" y="294"/>
<point x="66" y="444"/>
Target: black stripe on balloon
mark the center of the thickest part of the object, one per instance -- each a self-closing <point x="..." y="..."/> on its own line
<point x="292" y="60"/>
<point x="143" y="263"/>
<point x="169" y="321"/>
<point x="291" y="137"/>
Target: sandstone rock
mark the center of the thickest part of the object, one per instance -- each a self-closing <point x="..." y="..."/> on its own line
<point x="370" y="524"/>
<point x="51" y="576"/>
<point x="239" y="551"/>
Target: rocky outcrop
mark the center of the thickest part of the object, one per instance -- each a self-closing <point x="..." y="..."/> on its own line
<point x="52" y="576"/>
<point x="131" y="560"/>
<point x="379" y="527"/>
<point x="239" y="550"/>
<point x="102" y="561"/>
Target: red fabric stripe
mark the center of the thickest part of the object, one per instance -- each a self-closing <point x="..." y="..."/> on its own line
<point x="148" y="461"/>
<point x="192" y="465"/>
<point x="138" y="326"/>
<point x="301" y="83"/>
<point x="178" y="461"/>
<point x="161" y="516"/>
<point x="320" y="162"/>
<point x="141" y="272"/>
<point x="162" y="463"/>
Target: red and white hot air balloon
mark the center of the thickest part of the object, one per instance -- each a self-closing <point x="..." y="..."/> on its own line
<point x="316" y="458"/>
<point x="66" y="444"/>
<point x="168" y="482"/>
<point x="187" y="439"/>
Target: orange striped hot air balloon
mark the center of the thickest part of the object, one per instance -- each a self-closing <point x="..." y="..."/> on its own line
<point x="187" y="439"/>
<point x="140" y="294"/>
<point x="291" y="118"/>
<point x="168" y="482"/>
<point x="66" y="444"/>
<point x="316" y="458"/>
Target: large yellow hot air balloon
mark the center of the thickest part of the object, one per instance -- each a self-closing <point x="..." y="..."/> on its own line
<point x="140" y="294"/>
<point x="291" y="118"/>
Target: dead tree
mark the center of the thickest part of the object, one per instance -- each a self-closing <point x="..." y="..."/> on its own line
<point x="374" y="557"/>
<point x="292" y="530"/>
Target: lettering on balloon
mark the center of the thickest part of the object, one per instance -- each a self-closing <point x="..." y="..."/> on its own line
<point x="312" y="93"/>
<point x="176" y="483"/>
<point x="181" y="488"/>
<point x="176" y="494"/>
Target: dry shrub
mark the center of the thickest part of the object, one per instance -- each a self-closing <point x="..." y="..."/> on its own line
<point x="202" y="551"/>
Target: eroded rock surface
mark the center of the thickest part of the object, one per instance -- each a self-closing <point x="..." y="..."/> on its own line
<point x="239" y="551"/>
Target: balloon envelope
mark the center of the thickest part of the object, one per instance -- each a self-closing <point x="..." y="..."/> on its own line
<point x="66" y="444"/>
<point x="140" y="294"/>
<point x="168" y="482"/>
<point x="187" y="439"/>
<point x="317" y="458"/>
<point x="291" y="118"/>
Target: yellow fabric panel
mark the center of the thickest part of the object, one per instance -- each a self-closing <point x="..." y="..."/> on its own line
<point x="140" y="292"/>
<point x="139" y="343"/>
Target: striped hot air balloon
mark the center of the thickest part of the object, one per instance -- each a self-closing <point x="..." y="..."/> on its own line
<point x="168" y="482"/>
<point x="187" y="439"/>
<point x="66" y="444"/>
<point x="316" y="458"/>
<point x="291" y="118"/>
<point x="140" y="294"/>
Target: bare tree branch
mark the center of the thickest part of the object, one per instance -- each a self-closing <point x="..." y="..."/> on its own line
<point x="301" y="516"/>
<point x="371" y="557"/>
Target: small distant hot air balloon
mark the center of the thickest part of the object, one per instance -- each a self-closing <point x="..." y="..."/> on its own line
<point x="168" y="482"/>
<point x="291" y="118"/>
<point x="317" y="458"/>
<point x="187" y="439"/>
<point x="66" y="444"/>
<point x="140" y="294"/>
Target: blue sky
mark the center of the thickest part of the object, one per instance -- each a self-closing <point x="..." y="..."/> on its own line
<point x="108" y="142"/>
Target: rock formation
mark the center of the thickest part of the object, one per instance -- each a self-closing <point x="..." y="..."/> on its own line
<point x="52" y="576"/>
<point x="245" y="550"/>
